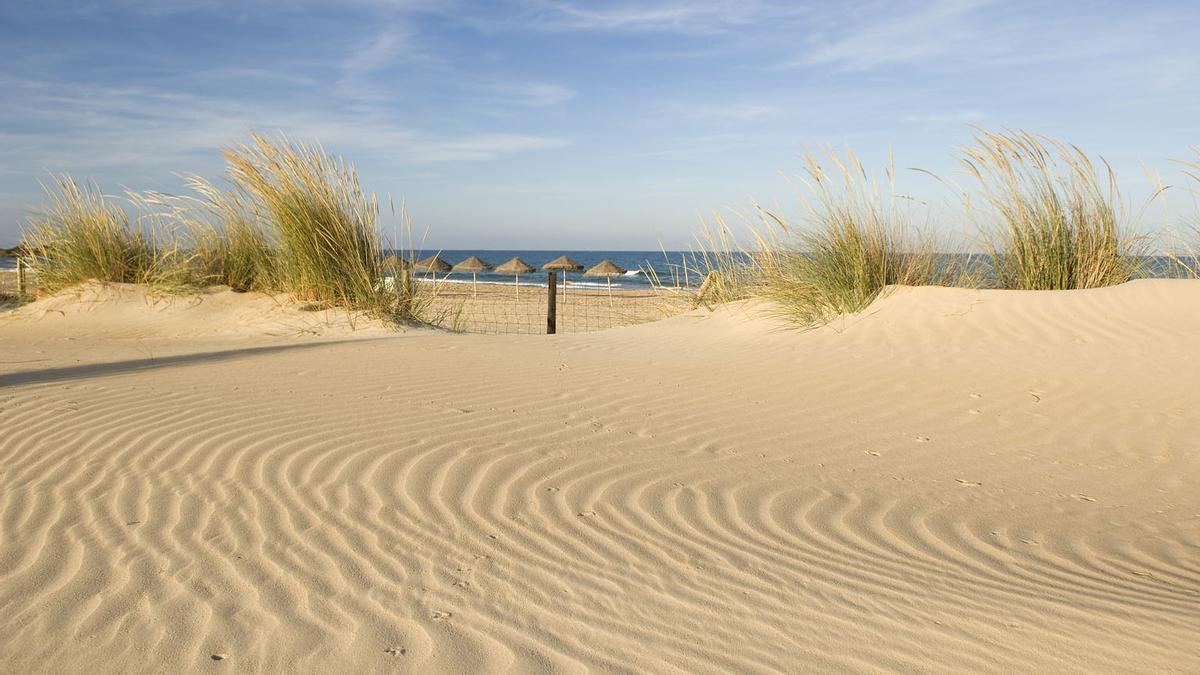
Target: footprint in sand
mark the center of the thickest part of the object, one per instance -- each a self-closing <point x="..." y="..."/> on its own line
<point x="967" y="483"/>
<point x="1084" y="498"/>
<point x="219" y="657"/>
<point x="396" y="651"/>
<point x="442" y="616"/>
<point x="975" y="394"/>
<point x="922" y="439"/>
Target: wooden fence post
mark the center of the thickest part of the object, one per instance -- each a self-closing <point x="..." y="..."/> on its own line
<point x="551" y="310"/>
<point x="20" y="278"/>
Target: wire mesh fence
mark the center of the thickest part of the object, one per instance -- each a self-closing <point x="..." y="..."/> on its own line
<point x="510" y="309"/>
<point x="504" y="309"/>
<point x="11" y="284"/>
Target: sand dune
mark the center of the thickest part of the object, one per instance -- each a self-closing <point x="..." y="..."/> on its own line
<point x="955" y="480"/>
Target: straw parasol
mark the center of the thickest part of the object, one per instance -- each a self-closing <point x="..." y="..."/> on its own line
<point x="433" y="264"/>
<point x="607" y="269"/>
<point x="563" y="264"/>
<point x="395" y="262"/>
<point x="474" y="265"/>
<point x="516" y="267"/>
<point x="398" y="267"/>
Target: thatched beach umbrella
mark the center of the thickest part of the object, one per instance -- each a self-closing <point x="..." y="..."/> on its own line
<point x="399" y="268"/>
<point x="434" y="264"/>
<point x="516" y="267"/>
<point x="395" y="262"/>
<point x="607" y="269"/>
<point x="563" y="264"/>
<point x="474" y="265"/>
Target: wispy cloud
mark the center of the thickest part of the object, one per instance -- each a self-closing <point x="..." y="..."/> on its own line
<point x="142" y="126"/>
<point x="533" y="93"/>
<point x="388" y="48"/>
<point x="863" y="38"/>
<point x="431" y="93"/>
<point x="735" y="112"/>
<point x="671" y="15"/>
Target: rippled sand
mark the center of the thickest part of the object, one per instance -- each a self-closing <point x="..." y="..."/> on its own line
<point x="952" y="481"/>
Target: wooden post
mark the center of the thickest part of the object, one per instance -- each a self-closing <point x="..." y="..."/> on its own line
<point x="20" y="278"/>
<point x="551" y="310"/>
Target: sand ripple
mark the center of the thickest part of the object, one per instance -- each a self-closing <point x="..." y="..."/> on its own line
<point x="949" y="483"/>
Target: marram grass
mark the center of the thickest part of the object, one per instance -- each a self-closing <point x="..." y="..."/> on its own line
<point x="1184" y="253"/>
<point x="290" y="218"/>
<point x="1049" y="219"/>
<point x="851" y="241"/>
<point x="325" y="228"/>
<point x="854" y="239"/>
<point x="82" y="234"/>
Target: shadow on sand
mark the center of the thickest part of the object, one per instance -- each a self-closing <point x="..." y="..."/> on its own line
<point x="90" y="370"/>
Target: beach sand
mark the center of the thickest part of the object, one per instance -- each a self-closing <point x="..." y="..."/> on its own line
<point x="952" y="481"/>
<point x="494" y="308"/>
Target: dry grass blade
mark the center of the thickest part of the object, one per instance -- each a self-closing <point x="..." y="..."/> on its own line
<point x="324" y="225"/>
<point x="1054" y="221"/>
<point x="853" y="241"/>
<point x="856" y="239"/>
<point x="232" y="247"/>
<point x="1184" y="253"/>
<point x="82" y="235"/>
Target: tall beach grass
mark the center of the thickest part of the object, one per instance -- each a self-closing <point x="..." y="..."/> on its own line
<point x="288" y="218"/>
<point x="1184" y="251"/>
<point x="1049" y="219"/>
<point x="325" y="228"/>
<point x="81" y="234"/>
<point x="853" y="238"/>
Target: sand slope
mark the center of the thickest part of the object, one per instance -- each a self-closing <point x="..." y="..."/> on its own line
<point x="952" y="481"/>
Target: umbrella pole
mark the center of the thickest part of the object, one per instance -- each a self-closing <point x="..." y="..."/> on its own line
<point x="517" y="282"/>
<point x="474" y="286"/>
<point x="609" y="292"/>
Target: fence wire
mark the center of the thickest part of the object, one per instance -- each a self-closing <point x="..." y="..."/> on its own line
<point x="496" y="309"/>
<point x="9" y="285"/>
<point x="508" y="309"/>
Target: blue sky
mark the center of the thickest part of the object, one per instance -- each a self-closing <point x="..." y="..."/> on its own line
<point x="557" y="124"/>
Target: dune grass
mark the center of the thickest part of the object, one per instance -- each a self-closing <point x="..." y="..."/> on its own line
<point x="856" y="237"/>
<point x="231" y="244"/>
<point x="1184" y="251"/>
<point x="290" y="218"/>
<point x="715" y="271"/>
<point x="853" y="239"/>
<point x="325" y="228"/>
<point x="82" y="234"/>
<point x="1050" y="221"/>
<point x="219" y="227"/>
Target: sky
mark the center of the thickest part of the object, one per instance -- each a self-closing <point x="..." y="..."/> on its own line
<point x="544" y="124"/>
